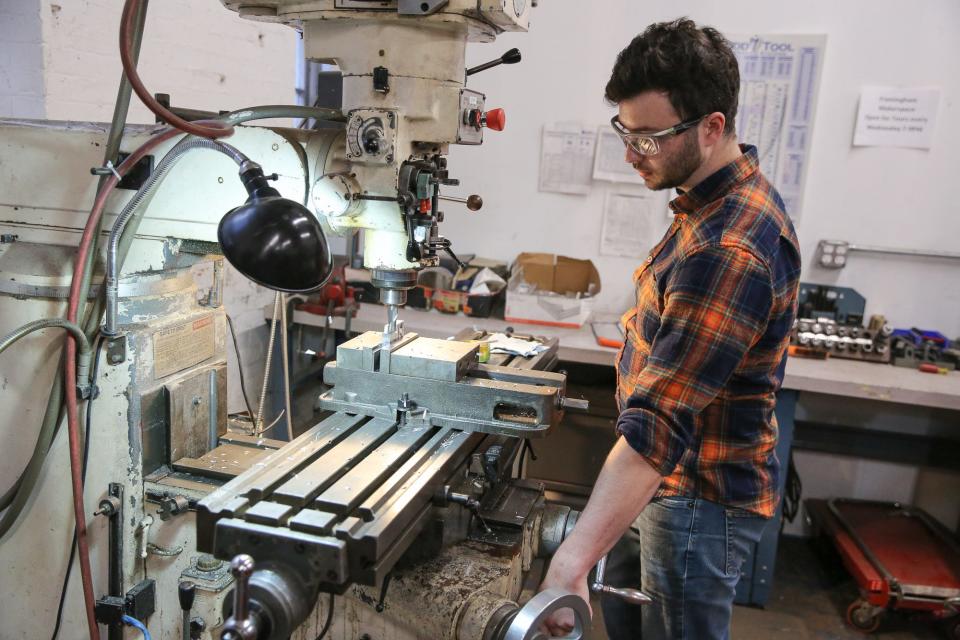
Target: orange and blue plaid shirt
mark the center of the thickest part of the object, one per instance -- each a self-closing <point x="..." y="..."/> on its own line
<point x="706" y="345"/>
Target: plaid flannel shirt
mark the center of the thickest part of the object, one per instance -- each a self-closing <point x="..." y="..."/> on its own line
<point x="706" y="345"/>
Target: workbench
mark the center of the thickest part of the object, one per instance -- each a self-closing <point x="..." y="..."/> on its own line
<point x="849" y="378"/>
<point x="841" y="379"/>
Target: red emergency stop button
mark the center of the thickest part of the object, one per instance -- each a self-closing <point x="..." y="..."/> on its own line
<point x="495" y="119"/>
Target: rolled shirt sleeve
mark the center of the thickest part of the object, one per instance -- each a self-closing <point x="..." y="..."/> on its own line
<point x="716" y="307"/>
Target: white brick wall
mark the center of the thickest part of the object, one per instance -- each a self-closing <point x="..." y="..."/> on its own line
<point x="21" y="60"/>
<point x="59" y="60"/>
<point x="203" y="55"/>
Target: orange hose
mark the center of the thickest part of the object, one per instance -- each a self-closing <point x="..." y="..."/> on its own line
<point x="211" y="130"/>
<point x="70" y="369"/>
<point x="202" y="129"/>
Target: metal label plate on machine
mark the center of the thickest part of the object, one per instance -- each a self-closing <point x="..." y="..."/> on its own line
<point x="183" y="345"/>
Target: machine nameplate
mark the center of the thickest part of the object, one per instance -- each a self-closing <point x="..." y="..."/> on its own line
<point x="183" y="345"/>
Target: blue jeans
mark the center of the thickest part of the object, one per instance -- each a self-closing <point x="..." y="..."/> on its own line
<point x="686" y="554"/>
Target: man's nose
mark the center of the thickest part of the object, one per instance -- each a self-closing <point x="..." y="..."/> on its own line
<point x="631" y="156"/>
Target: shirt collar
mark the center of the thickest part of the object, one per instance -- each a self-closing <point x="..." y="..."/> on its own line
<point x="717" y="183"/>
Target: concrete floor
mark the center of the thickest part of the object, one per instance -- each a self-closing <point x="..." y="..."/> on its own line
<point x="810" y="597"/>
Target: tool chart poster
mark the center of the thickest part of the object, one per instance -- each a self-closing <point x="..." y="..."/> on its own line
<point x="779" y="82"/>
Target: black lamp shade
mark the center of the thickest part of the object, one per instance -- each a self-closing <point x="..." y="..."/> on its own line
<point x="277" y="243"/>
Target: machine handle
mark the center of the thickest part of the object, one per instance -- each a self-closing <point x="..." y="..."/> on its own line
<point x="241" y="625"/>
<point x="581" y="404"/>
<point x="632" y="596"/>
<point x="186" y="593"/>
<point x="473" y="202"/>
<point x="510" y="57"/>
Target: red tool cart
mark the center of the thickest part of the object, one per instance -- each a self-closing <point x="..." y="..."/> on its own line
<point x="900" y="557"/>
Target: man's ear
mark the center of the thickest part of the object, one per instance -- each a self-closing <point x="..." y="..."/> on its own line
<point x="713" y="127"/>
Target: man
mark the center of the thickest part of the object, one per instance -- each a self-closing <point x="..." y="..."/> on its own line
<point x="695" y="472"/>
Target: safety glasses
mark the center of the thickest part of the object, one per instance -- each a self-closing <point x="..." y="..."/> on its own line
<point x="648" y="144"/>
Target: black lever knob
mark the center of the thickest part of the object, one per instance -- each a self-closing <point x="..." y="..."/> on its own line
<point x="186" y="592"/>
<point x="510" y="57"/>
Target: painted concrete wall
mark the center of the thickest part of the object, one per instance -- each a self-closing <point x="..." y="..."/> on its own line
<point x="880" y="196"/>
<point x="21" y="59"/>
<point x="203" y="55"/>
<point x="58" y="60"/>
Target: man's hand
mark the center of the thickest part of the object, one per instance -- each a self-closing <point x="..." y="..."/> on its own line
<point x="565" y="573"/>
<point x="625" y="486"/>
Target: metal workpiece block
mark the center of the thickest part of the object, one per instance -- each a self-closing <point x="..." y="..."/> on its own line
<point x="434" y="359"/>
<point x="365" y="352"/>
<point x="357" y="352"/>
<point x="523" y="404"/>
<point x="318" y="558"/>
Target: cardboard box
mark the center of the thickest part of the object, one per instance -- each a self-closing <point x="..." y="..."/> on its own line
<point x="448" y="300"/>
<point x="551" y="290"/>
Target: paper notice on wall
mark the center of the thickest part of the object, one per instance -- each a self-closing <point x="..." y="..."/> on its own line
<point x="566" y="158"/>
<point x="897" y="117"/>
<point x="632" y="223"/>
<point x="779" y="80"/>
<point x="610" y="161"/>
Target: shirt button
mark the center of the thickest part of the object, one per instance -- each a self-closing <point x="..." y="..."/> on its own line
<point x="649" y="259"/>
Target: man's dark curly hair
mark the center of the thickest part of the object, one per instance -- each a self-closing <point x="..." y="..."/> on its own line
<point x="694" y="66"/>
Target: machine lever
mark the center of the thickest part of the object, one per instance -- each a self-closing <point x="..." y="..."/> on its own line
<point x="241" y="625"/>
<point x="473" y="202"/>
<point x="580" y="404"/>
<point x="108" y="506"/>
<point x="445" y="496"/>
<point x="186" y="592"/>
<point x="381" y="604"/>
<point x="632" y="596"/>
<point x="510" y="57"/>
<point x="444" y="243"/>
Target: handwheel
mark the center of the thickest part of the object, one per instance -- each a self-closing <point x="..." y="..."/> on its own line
<point x="526" y="624"/>
<point x="863" y="617"/>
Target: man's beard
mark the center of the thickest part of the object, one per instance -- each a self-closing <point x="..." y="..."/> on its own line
<point x="677" y="169"/>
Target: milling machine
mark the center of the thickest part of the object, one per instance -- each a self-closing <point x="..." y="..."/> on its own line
<point x="404" y="500"/>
